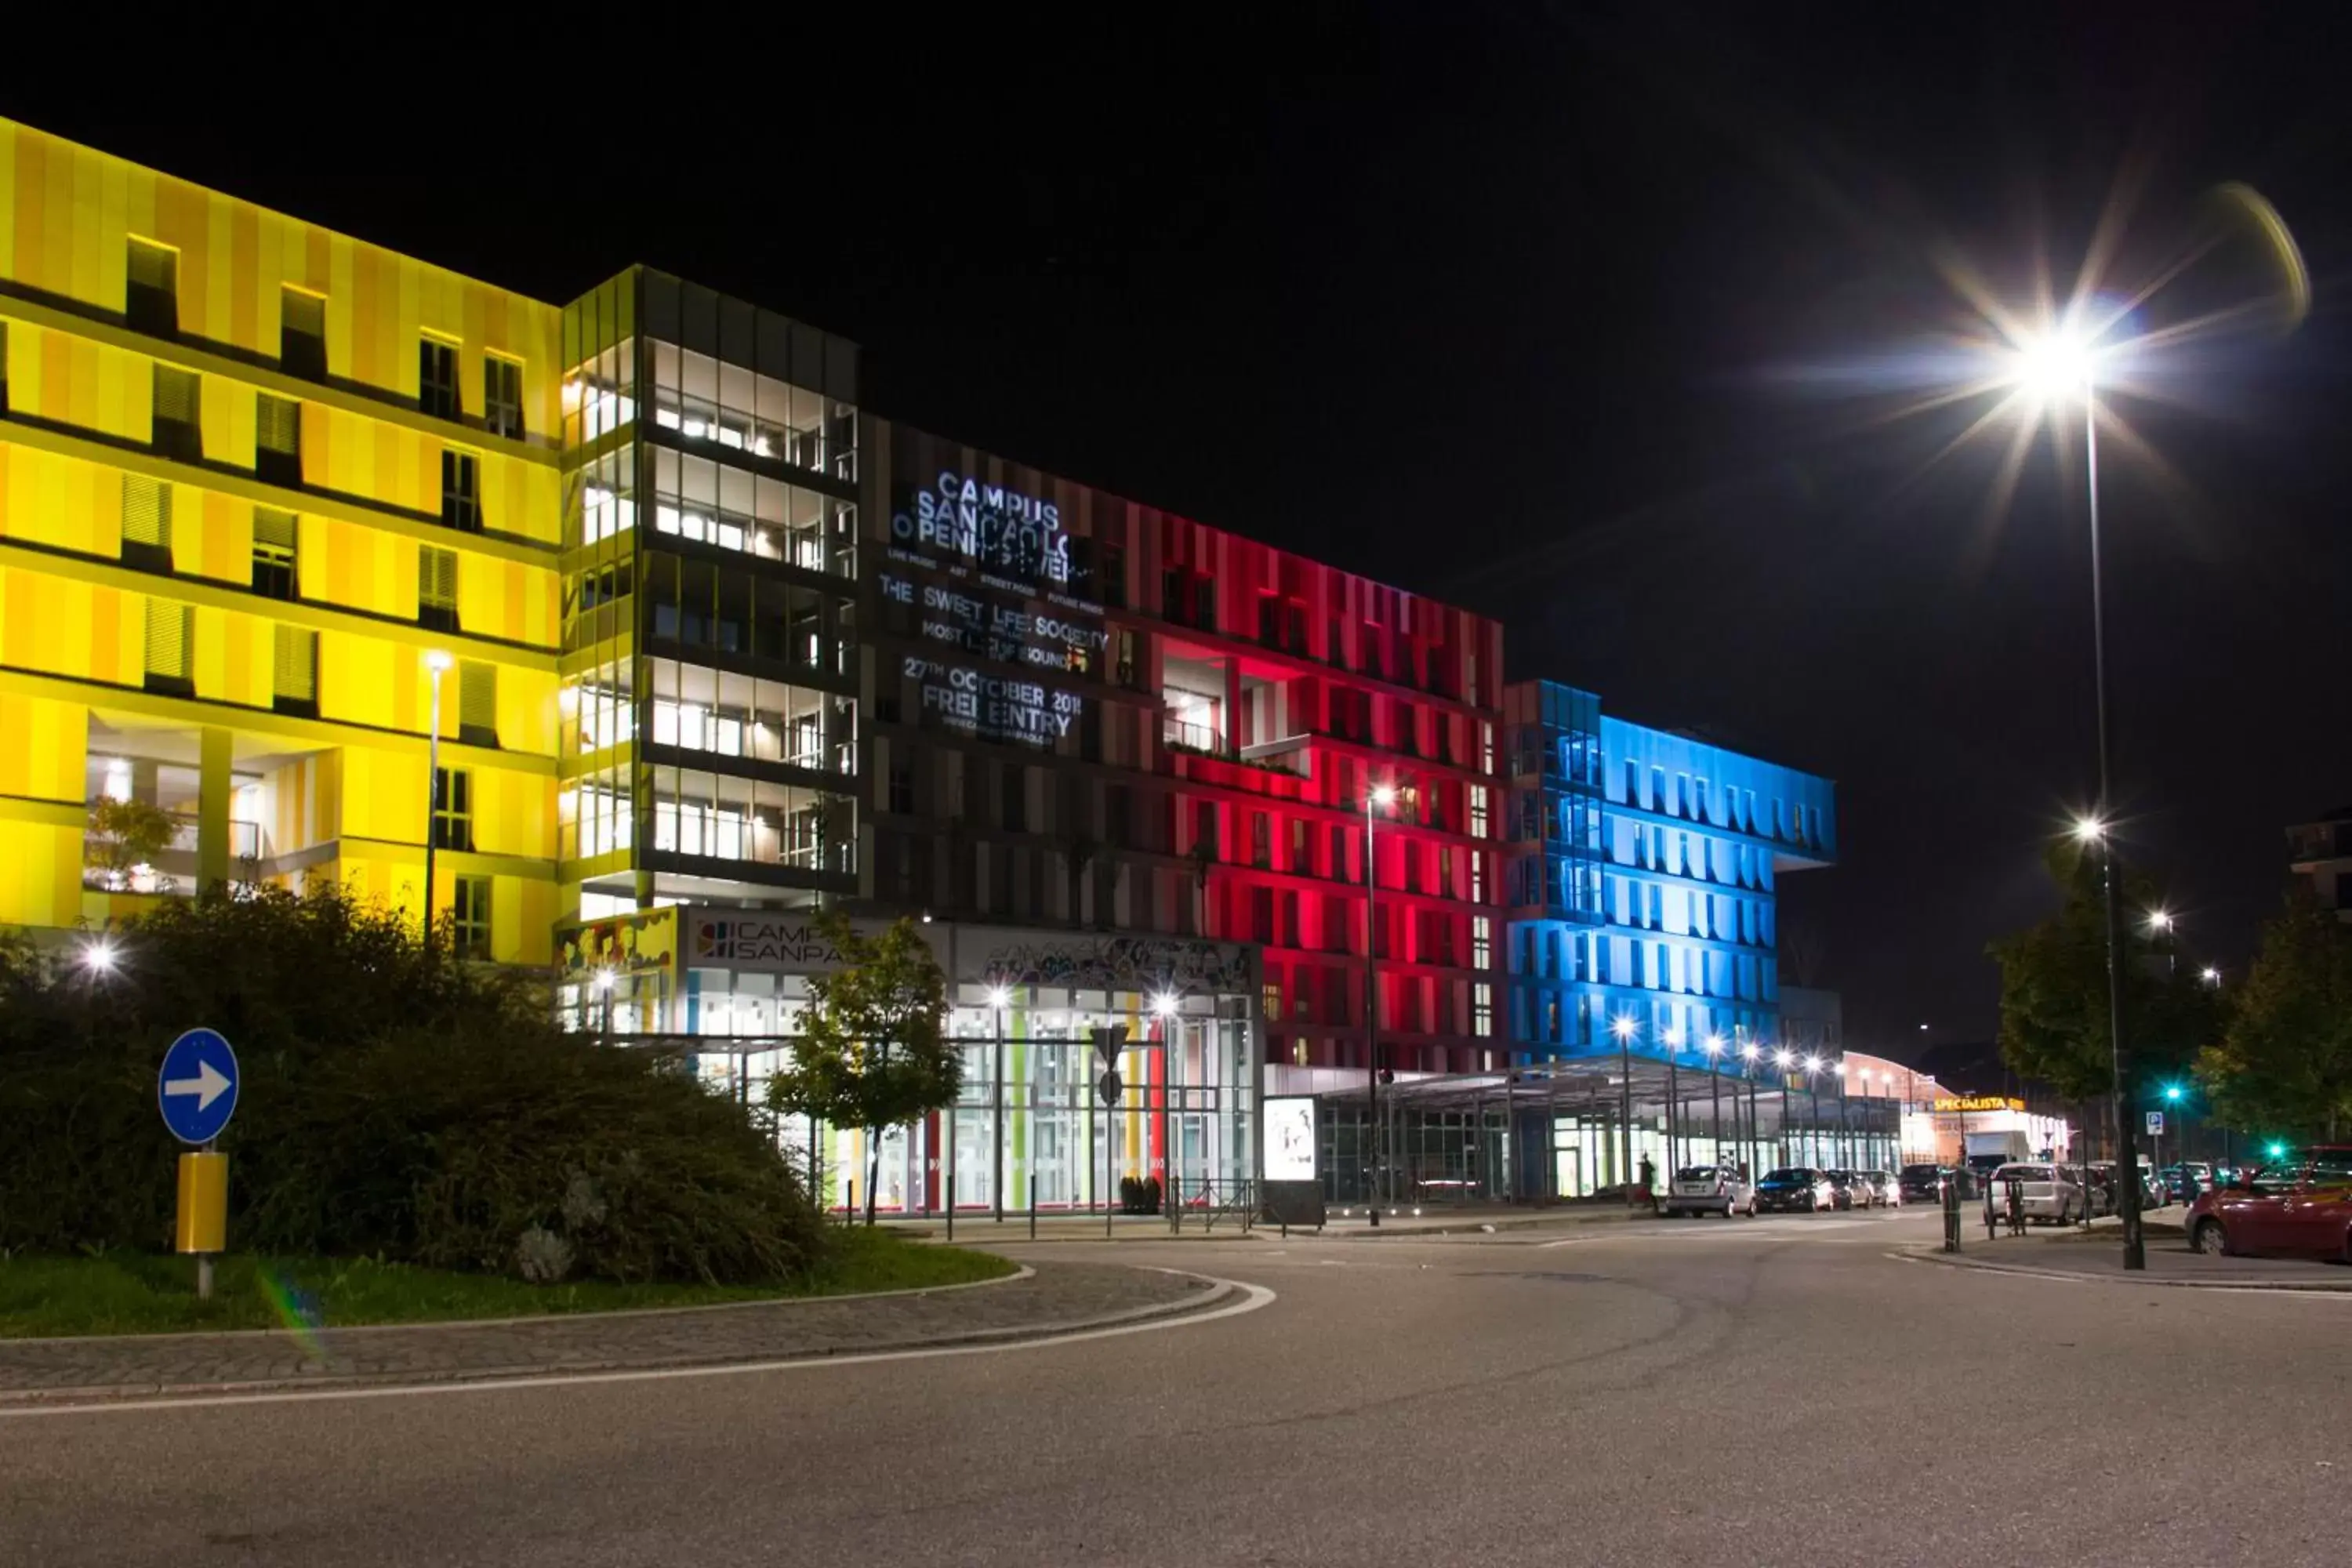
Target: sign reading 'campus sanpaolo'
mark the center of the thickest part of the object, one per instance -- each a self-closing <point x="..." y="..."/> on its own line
<point x="1015" y="539"/>
<point x="1949" y="1103"/>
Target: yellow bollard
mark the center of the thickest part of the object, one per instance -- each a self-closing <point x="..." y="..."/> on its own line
<point x="203" y="1226"/>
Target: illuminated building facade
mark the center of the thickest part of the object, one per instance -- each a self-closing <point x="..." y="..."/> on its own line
<point x="1644" y="895"/>
<point x="252" y="474"/>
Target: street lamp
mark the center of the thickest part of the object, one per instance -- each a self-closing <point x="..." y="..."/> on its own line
<point x="604" y="981"/>
<point x="1673" y="1036"/>
<point x="1813" y="1093"/>
<point x="1713" y="1045"/>
<point x="2061" y="366"/>
<point x="437" y="662"/>
<point x="1782" y="1058"/>
<point x="2211" y="975"/>
<point x="1382" y="796"/>
<point x="1748" y="1051"/>
<point x="1623" y="1027"/>
<point x="97" y="956"/>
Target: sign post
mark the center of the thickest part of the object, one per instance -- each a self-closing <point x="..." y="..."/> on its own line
<point x="1109" y="1040"/>
<point x="196" y="1090"/>
<point x="2155" y="1153"/>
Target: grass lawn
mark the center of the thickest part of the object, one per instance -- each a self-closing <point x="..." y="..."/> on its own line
<point x="143" y="1293"/>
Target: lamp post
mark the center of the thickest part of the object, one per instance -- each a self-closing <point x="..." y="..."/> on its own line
<point x="2061" y="365"/>
<point x="1674" y="1040"/>
<point x="1622" y="1027"/>
<point x="1781" y="1059"/>
<point x="2089" y="831"/>
<point x="1713" y="1045"/>
<point x="437" y="662"/>
<point x="1382" y="796"/>
<point x="605" y="993"/>
<point x="2177" y="1100"/>
<point x="998" y="997"/>
<point x="96" y="959"/>
<point x="1749" y="1050"/>
<point x="1813" y="1094"/>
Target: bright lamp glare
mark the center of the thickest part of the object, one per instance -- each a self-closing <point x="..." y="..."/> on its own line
<point x="1164" y="1004"/>
<point x="999" y="996"/>
<point x="604" y="980"/>
<point x="2089" y="829"/>
<point x="1622" y="1028"/>
<point x="2054" y="365"/>
<point x="1383" y="795"/>
<point x="1782" y="1058"/>
<point x="98" y="957"/>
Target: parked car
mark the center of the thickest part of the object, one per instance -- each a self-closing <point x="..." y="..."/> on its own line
<point x="2299" y="1206"/>
<point x="2051" y="1194"/>
<point x="2102" y="1189"/>
<point x="1922" y="1184"/>
<point x="1800" y="1188"/>
<point x="1708" y="1189"/>
<point x="1847" y="1191"/>
<point x="2184" y="1183"/>
<point x="1887" y="1191"/>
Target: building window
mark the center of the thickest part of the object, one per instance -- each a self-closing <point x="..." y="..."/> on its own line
<point x="436" y="588"/>
<point x="502" y="397"/>
<point x="150" y="294"/>
<point x="277" y="440"/>
<point x="274" y="537"/>
<point x="4" y="367"/>
<point x="436" y="378"/>
<point x="1014" y="797"/>
<point x="170" y="646"/>
<point x="477" y="703"/>
<point x="453" y="810"/>
<point x="295" y="689"/>
<point x="302" y="333"/>
<point x="902" y="790"/>
<point x="469" y="917"/>
<point x="179" y="427"/>
<point x="1261" y="840"/>
<point x="461" y="490"/>
<point x="146" y="524"/>
<point x="1482" y="1009"/>
<point x="1482" y="942"/>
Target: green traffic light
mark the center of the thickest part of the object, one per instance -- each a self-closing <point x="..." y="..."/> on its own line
<point x="2278" y="1150"/>
<point x="2172" y="1091"/>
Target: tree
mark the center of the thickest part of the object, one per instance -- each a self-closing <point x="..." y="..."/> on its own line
<point x="874" y="1052"/>
<point x="2285" y="1062"/>
<point x="2055" y="1004"/>
<point x="124" y="836"/>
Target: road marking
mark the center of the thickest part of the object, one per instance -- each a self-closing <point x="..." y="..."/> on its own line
<point x="1254" y="1298"/>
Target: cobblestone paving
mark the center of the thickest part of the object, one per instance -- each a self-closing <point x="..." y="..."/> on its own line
<point x="1060" y="1296"/>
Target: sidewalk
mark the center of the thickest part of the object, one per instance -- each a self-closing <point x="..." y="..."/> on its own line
<point x="1049" y="1300"/>
<point x="984" y="1231"/>
<point x="2074" y="1254"/>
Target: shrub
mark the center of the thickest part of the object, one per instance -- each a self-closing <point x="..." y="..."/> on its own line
<point x="394" y="1104"/>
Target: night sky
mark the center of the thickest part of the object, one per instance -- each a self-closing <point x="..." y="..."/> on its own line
<point x="1527" y="307"/>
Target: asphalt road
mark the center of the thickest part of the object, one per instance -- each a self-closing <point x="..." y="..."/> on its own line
<point x="1724" y="1392"/>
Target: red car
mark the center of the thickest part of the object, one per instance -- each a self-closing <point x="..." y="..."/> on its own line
<point x="2300" y="1205"/>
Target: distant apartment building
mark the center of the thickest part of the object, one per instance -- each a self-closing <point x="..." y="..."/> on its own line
<point x="2321" y="855"/>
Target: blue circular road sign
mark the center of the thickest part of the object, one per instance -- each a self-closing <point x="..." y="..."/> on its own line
<point x="197" y="1087"/>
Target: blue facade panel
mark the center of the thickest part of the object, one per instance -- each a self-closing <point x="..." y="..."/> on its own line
<point x="1644" y="886"/>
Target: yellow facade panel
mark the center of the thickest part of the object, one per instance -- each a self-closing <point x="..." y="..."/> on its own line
<point x="44" y="757"/>
<point x="228" y="416"/>
<point x="40" y="874"/>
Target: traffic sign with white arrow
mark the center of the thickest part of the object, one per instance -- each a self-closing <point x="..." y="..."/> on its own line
<point x="196" y="1089"/>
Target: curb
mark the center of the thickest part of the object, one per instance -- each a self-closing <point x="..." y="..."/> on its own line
<point x="1215" y="1294"/>
<point x="2073" y="1277"/>
<point x="1021" y="1271"/>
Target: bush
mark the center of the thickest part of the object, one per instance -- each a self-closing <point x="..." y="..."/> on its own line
<point x="394" y="1104"/>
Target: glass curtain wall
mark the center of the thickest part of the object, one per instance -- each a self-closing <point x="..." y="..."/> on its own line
<point x="1029" y="1126"/>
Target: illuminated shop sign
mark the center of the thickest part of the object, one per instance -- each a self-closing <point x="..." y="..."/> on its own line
<point x="994" y="708"/>
<point x="1047" y="640"/>
<point x="755" y="939"/>
<point x="1950" y="1104"/>
<point x="1014" y="536"/>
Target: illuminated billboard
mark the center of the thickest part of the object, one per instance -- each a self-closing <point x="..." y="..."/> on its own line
<point x="1290" y="1138"/>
